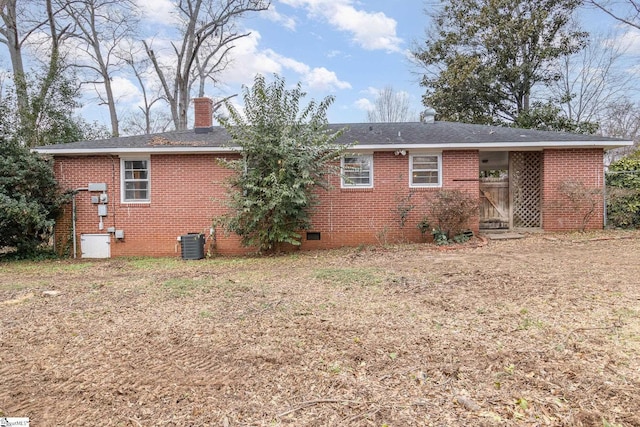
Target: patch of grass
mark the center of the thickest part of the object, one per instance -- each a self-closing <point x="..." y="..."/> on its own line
<point x="349" y="276"/>
<point x="44" y="267"/>
<point x="181" y="287"/>
<point x="528" y="323"/>
<point x="13" y="286"/>
<point x="206" y="314"/>
<point x="335" y="368"/>
<point x="155" y="263"/>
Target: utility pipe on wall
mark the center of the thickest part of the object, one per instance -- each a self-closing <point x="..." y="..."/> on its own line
<point x="73" y="219"/>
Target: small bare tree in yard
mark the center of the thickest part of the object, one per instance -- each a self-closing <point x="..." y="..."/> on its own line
<point x="391" y="107"/>
<point x="583" y="199"/>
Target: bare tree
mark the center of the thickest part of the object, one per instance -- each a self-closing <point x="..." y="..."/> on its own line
<point x="16" y="33"/>
<point x="391" y="106"/>
<point x="208" y="32"/>
<point x="621" y="120"/>
<point x="101" y="26"/>
<point x="24" y="23"/>
<point x="592" y="79"/>
<point x="625" y="11"/>
<point x="148" y="121"/>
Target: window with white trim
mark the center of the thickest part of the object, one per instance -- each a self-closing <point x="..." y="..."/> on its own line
<point x="136" y="182"/>
<point x="357" y="171"/>
<point x="425" y="170"/>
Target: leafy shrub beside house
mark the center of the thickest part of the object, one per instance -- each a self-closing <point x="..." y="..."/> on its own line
<point x="287" y="151"/>
<point x="623" y="192"/>
<point x="450" y="212"/>
<point x="29" y="199"/>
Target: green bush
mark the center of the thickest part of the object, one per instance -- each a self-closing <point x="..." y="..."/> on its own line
<point x="452" y="210"/>
<point x="623" y="192"/>
<point x="287" y="152"/>
<point x="29" y="200"/>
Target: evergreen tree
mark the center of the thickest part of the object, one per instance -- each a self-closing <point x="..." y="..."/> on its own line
<point x="286" y="154"/>
<point x="49" y="116"/>
<point x="485" y="57"/>
<point x="29" y="199"/>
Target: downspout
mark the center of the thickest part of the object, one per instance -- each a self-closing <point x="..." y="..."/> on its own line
<point x="604" y="197"/>
<point x="73" y="219"/>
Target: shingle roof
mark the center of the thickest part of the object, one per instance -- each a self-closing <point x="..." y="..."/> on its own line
<point x="365" y="135"/>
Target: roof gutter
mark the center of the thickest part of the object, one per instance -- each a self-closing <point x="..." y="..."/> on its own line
<point x="538" y="145"/>
<point x="489" y="146"/>
<point x="118" y="151"/>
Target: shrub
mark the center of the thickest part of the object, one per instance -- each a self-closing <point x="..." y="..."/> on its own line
<point x="29" y="200"/>
<point x="623" y="192"/>
<point x="287" y="153"/>
<point x="584" y="200"/>
<point x="452" y="210"/>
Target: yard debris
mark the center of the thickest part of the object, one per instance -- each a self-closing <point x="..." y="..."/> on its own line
<point x="466" y="402"/>
<point x="51" y="293"/>
<point x="18" y="300"/>
<point x="398" y="336"/>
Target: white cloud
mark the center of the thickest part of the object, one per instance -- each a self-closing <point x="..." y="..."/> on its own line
<point x="248" y="60"/>
<point x="160" y="11"/>
<point x="628" y="42"/>
<point x="286" y="21"/>
<point x="124" y="90"/>
<point x="322" y="79"/>
<point x="370" y="30"/>
<point x="371" y="91"/>
<point x="290" y="63"/>
<point x="364" y="104"/>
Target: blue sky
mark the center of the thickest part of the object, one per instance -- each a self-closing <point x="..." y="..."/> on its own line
<point x="346" y="48"/>
<point x="350" y="49"/>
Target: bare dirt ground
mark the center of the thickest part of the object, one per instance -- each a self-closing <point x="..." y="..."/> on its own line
<point x="532" y="332"/>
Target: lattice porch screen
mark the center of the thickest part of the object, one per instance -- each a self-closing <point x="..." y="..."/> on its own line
<point x="525" y="173"/>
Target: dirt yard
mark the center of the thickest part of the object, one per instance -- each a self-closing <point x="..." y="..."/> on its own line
<point x="532" y="332"/>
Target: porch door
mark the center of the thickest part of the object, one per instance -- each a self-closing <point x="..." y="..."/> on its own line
<point x="525" y="173"/>
<point x="494" y="203"/>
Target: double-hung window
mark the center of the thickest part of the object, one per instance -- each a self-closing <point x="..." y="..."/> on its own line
<point x="425" y="170"/>
<point x="136" y="182"/>
<point x="357" y="171"/>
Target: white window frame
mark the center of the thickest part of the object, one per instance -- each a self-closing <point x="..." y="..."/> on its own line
<point x="344" y="181"/>
<point x="411" y="170"/>
<point x="123" y="180"/>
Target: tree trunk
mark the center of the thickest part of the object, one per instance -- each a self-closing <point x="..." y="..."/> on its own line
<point x="14" y="45"/>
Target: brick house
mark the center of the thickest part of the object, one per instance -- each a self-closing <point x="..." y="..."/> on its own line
<point x="136" y="195"/>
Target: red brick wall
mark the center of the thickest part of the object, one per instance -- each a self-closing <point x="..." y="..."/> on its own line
<point x="187" y="190"/>
<point x="186" y="193"/>
<point x="574" y="165"/>
<point x="350" y="217"/>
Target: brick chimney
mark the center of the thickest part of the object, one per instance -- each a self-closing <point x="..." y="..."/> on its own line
<point x="203" y="115"/>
